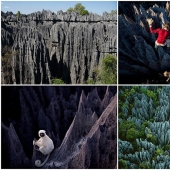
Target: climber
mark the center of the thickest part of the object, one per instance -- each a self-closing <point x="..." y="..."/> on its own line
<point x="162" y="33"/>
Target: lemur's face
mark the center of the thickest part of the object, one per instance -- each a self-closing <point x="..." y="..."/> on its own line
<point x="42" y="133"/>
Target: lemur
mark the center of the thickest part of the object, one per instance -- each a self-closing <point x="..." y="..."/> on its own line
<point x="45" y="145"/>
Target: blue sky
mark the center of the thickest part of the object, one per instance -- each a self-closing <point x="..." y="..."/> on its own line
<point x="27" y="7"/>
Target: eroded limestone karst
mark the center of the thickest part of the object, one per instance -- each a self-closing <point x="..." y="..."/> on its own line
<point x="62" y="45"/>
<point x="81" y="121"/>
<point x="139" y="61"/>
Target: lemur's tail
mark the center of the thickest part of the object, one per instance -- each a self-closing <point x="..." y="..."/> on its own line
<point x="38" y="162"/>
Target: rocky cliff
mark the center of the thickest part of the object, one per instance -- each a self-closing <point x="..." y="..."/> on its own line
<point x="139" y="62"/>
<point x="81" y="121"/>
<point x="61" y="45"/>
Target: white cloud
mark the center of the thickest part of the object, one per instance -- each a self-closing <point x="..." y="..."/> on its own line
<point x="6" y="7"/>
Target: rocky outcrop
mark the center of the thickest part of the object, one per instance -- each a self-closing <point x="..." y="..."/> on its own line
<point x="63" y="45"/>
<point x="84" y="136"/>
<point x="14" y="155"/>
<point x="139" y="62"/>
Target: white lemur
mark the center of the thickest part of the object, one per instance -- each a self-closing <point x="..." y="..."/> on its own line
<point x="45" y="145"/>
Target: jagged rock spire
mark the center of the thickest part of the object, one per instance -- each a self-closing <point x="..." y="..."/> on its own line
<point x="17" y="157"/>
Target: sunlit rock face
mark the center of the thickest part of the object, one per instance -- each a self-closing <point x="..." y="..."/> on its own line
<point x="63" y="45"/>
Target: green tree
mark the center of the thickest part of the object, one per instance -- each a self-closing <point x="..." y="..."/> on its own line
<point x="18" y="14"/>
<point x="113" y="12"/>
<point x="132" y="134"/>
<point x="109" y="70"/>
<point x="78" y="8"/>
<point x="124" y="127"/>
<point x="142" y="131"/>
<point x="84" y="12"/>
<point x="122" y="164"/>
<point x="70" y="10"/>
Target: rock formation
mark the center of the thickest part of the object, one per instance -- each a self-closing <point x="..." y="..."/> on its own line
<point x="81" y="121"/>
<point x="63" y="45"/>
<point x="139" y="62"/>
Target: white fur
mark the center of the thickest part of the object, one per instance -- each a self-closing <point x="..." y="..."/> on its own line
<point x="45" y="145"/>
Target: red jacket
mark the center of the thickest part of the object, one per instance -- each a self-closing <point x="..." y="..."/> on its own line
<point x="162" y="34"/>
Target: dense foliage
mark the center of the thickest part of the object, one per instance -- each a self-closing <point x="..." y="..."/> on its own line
<point x="78" y="8"/>
<point x="108" y="72"/>
<point x="144" y="127"/>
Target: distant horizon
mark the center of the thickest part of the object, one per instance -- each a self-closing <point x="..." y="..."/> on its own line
<point x="28" y="7"/>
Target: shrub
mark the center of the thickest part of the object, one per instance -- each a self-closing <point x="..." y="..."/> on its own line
<point x="109" y="70"/>
<point x="57" y="81"/>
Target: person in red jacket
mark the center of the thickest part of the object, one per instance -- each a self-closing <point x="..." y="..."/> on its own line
<point x="163" y="33"/>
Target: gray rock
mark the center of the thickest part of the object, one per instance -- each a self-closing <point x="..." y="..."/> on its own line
<point x="63" y="45"/>
<point x="15" y="155"/>
<point x="84" y="136"/>
<point x="138" y="58"/>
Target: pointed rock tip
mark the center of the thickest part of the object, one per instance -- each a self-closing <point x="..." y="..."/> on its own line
<point x="83" y="99"/>
<point x="93" y="93"/>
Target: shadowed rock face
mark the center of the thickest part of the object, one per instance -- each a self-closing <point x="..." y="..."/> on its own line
<point x="139" y="62"/>
<point x="81" y="121"/>
<point x="62" y="45"/>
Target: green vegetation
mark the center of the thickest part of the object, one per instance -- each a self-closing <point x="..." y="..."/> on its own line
<point x="122" y="163"/>
<point x="90" y="81"/>
<point x="6" y="64"/>
<point x="78" y="8"/>
<point x="124" y="127"/>
<point x="18" y="14"/>
<point x="113" y="12"/>
<point x="108" y="72"/>
<point x="57" y="81"/>
<point x="145" y="165"/>
<point x="144" y="127"/>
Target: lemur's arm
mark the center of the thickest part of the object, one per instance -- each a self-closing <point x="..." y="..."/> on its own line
<point x="34" y="141"/>
<point x="37" y="142"/>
